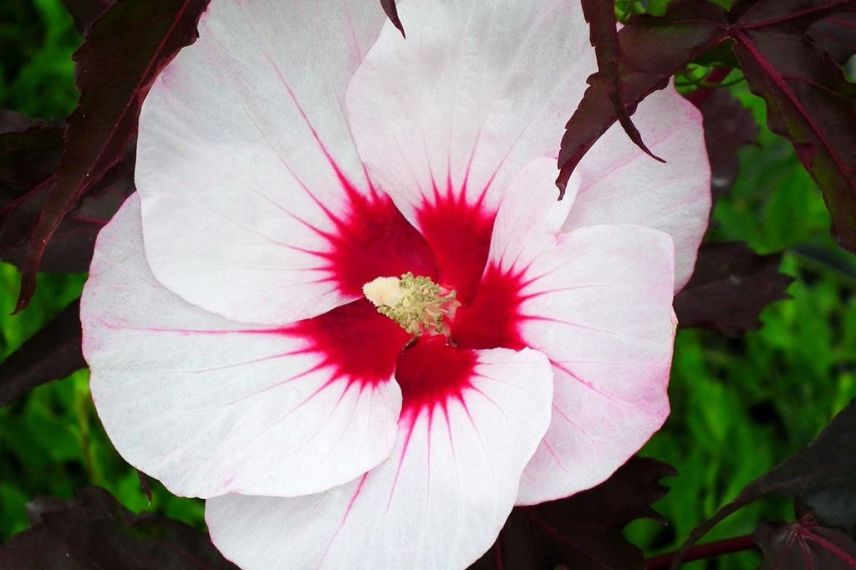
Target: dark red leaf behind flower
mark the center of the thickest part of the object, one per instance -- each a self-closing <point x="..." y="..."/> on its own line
<point x="809" y="101"/>
<point x="583" y="532"/>
<point x="826" y="467"/>
<point x="730" y="287"/>
<point x="836" y="35"/>
<point x="53" y="353"/>
<point x="124" y="51"/>
<point x="29" y="153"/>
<point x="603" y="35"/>
<point x="728" y="127"/>
<point x="11" y="122"/>
<point x="85" y="12"/>
<point x="74" y="241"/>
<point x="391" y="11"/>
<point x="96" y="532"/>
<point x="804" y="545"/>
<point x="652" y="51"/>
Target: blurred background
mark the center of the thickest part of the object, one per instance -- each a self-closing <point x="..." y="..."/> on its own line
<point x="739" y="405"/>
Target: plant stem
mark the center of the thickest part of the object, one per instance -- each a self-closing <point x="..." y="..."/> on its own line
<point x="702" y="551"/>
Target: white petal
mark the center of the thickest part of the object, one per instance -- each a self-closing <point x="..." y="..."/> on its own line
<point x="437" y="503"/>
<point x="476" y="91"/>
<point x="600" y="307"/>
<point x="622" y="185"/>
<point x="598" y="302"/>
<point x="209" y="406"/>
<point x="531" y="216"/>
<point x="245" y="157"/>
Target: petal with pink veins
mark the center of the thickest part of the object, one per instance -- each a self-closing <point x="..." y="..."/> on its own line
<point x="246" y="165"/>
<point x="526" y="225"/>
<point x="598" y="302"/>
<point x="209" y="406"/>
<point x="476" y="91"/>
<point x="620" y="184"/>
<point x="531" y="216"/>
<point x="438" y="502"/>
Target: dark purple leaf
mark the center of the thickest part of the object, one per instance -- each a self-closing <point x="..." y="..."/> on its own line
<point x="652" y="51"/>
<point x="71" y="248"/>
<point x="730" y="287"/>
<point x="391" y="11"/>
<point x="96" y="532"/>
<point x="29" y="153"/>
<point x="125" y="49"/>
<point x="603" y="36"/>
<point x="38" y="548"/>
<point x="85" y="12"/>
<point x="804" y="545"/>
<point x="809" y="101"/>
<point x="10" y="122"/>
<point x="836" y="505"/>
<point x="41" y="505"/>
<point x="728" y="127"/>
<point x="836" y="34"/>
<point x="53" y="353"/>
<point x="583" y="532"/>
<point x="826" y="465"/>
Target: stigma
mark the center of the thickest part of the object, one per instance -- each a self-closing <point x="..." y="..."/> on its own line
<point x="417" y="304"/>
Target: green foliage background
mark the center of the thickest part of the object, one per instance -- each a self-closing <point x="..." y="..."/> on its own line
<point x="739" y="405"/>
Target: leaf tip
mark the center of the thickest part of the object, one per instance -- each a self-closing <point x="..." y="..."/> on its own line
<point x="391" y="11"/>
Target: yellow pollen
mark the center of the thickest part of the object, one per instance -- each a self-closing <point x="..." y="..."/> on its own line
<point x="417" y="304"/>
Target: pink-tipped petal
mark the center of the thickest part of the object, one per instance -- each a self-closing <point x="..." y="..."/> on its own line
<point x="598" y="302"/>
<point x="622" y="185"/>
<point x="476" y="91"/>
<point x="246" y="166"/>
<point x="209" y="406"/>
<point x="531" y="216"/>
<point x="437" y="503"/>
<point x="600" y="307"/>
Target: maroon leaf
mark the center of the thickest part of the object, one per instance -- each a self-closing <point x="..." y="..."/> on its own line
<point x="836" y="504"/>
<point x="10" y="122"/>
<point x="836" y="35"/>
<point x="85" y="12"/>
<point x="809" y="101"/>
<point x="652" y="51"/>
<point x="95" y="531"/>
<point x="804" y="545"/>
<point x="728" y="127"/>
<point x="730" y="287"/>
<point x="603" y="36"/>
<point x="71" y="248"/>
<point x="53" y="353"/>
<point x="29" y="153"/>
<point x="391" y="11"/>
<point x="584" y="531"/>
<point x="827" y="465"/>
<point x="125" y="49"/>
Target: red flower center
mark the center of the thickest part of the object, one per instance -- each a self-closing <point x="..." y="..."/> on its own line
<point x="372" y="240"/>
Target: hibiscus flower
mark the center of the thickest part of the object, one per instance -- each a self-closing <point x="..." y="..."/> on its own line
<point x="345" y="306"/>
